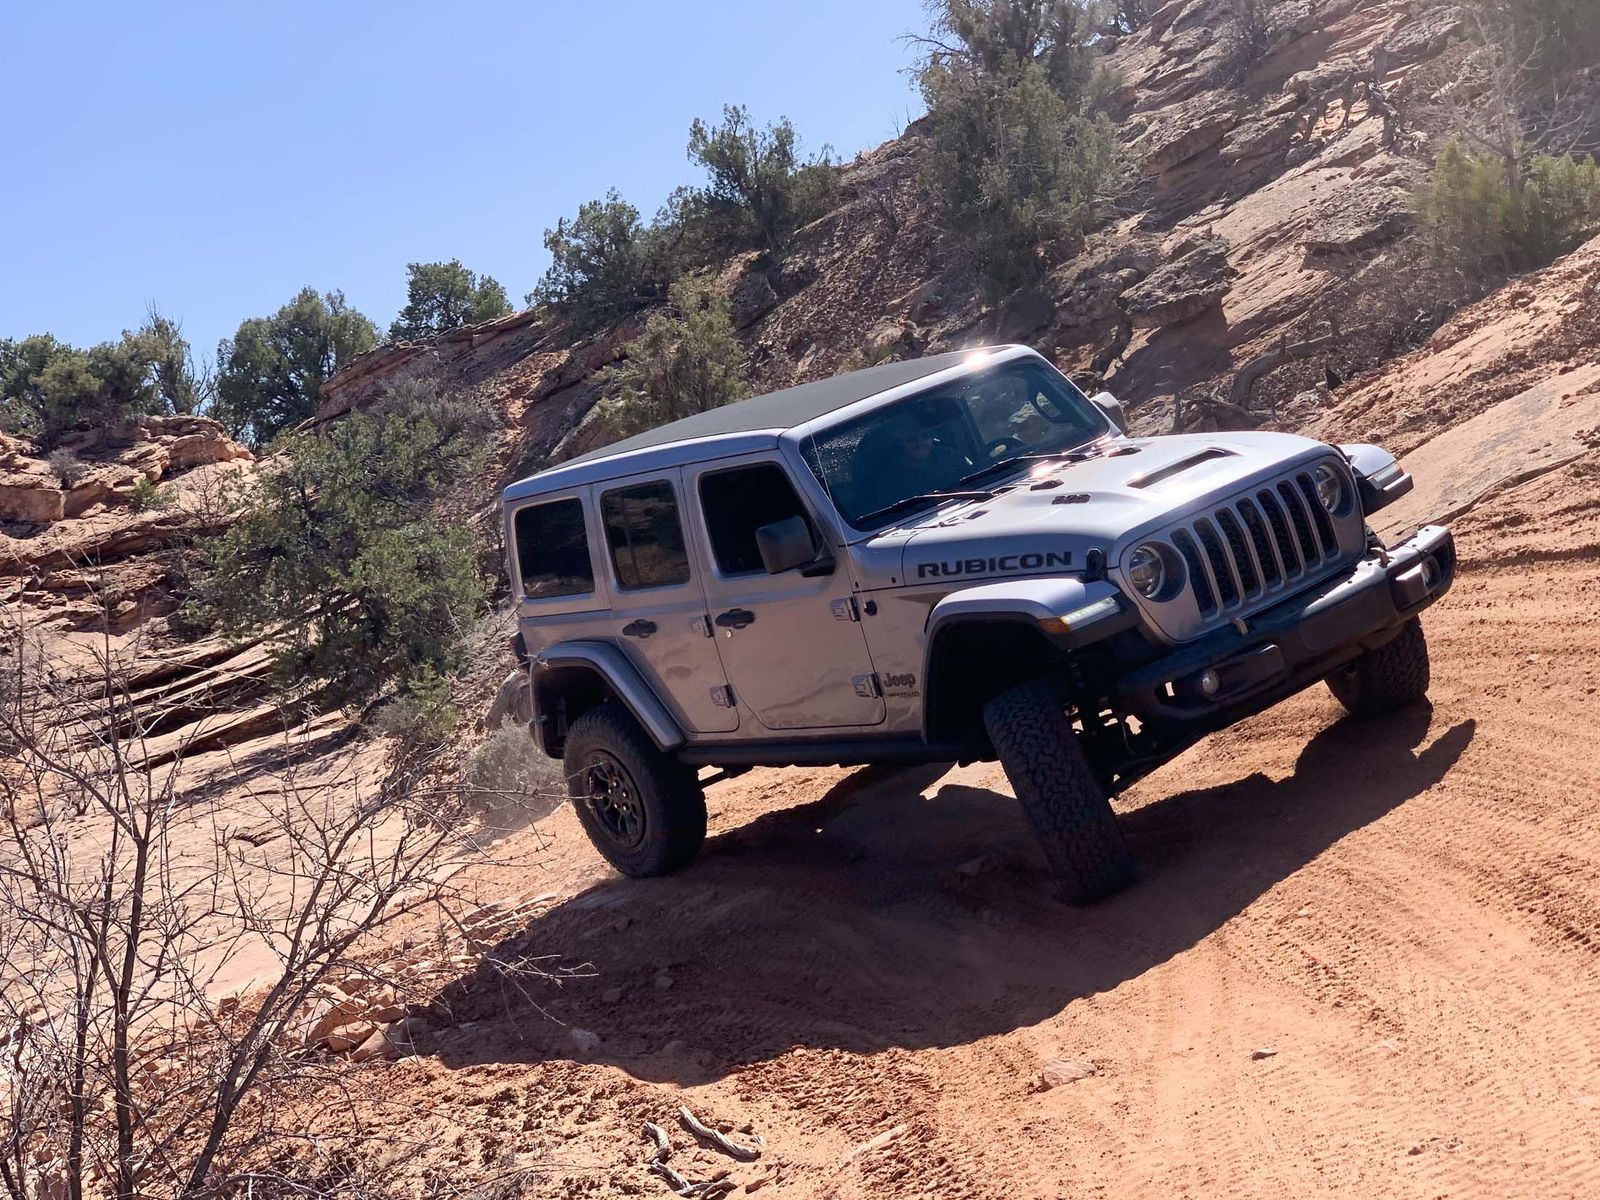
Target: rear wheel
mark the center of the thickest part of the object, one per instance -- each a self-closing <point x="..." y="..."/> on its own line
<point x="1064" y="802"/>
<point x="645" y="812"/>
<point x="1388" y="678"/>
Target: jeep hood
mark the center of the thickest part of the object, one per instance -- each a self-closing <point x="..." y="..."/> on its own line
<point x="1047" y="519"/>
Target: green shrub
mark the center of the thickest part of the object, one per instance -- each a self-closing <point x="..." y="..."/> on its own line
<point x="421" y="716"/>
<point x="346" y="560"/>
<point x="605" y="263"/>
<point x="1484" y="218"/>
<point x="48" y="387"/>
<point x="760" y="189"/>
<point x="21" y="364"/>
<point x="147" y="495"/>
<point x="510" y="781"/>
<point x="442" y="296"/>
<point x="1020" y="155"/>
<point x="608" y="262"/>
<point x="270" y="373"/>
<point x="686" y="361"/>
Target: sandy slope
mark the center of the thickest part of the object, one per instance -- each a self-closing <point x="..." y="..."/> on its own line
<point x="1407" y="914"/>
<point x="1364" y="959"/>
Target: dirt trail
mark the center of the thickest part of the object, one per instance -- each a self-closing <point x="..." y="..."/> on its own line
<point x="1406" y="915"/>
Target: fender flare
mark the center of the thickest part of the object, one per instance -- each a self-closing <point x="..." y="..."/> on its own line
<point x="1048" y="606"/>
<point x="615" y="670"/>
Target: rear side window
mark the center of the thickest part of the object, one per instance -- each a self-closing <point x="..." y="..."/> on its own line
<point x="645" y="536"/>
<point x="739" y="502"/>
<point x="553" y="550"/>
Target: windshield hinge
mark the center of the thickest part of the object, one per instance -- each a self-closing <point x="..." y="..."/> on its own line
<point x="866" y="686"/>
<point x="845" y="609"/>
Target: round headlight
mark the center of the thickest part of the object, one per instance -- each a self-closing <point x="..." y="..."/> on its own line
<point x="1147" y="571"/>
<point x="1330" y="487"/>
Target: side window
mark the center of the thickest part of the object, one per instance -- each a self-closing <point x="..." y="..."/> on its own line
<point x="645" y="536"/>
<point x="739" y="502"/>
<point x="553" y="550"/>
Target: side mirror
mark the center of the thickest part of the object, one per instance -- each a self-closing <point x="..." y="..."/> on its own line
<point x="785" y="545"/>
<point x="1112" y="407"/>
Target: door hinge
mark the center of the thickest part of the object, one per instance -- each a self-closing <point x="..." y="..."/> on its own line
<point x="867" y="686"/>
<point x="845" y="609"/>
<point x="722" y="696"/>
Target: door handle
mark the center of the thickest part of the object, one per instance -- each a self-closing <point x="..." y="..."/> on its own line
<point x="639" y="629"/>
<point x="735" y="618"/>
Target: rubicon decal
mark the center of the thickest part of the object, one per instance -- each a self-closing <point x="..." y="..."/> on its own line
<point x="994" y="566"/>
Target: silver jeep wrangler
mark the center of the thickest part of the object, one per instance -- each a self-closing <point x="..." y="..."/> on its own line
<point x="953" y="559"/>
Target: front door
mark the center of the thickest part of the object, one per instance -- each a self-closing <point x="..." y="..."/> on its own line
<point x="792" y="643"/>
<point x="658" y="606"/>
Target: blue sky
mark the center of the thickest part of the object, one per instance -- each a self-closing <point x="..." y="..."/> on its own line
<point x="214" y="158"/>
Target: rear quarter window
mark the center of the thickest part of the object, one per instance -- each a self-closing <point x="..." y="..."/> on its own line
<point x="645" y="536"/>
<point x="553" y="550"/>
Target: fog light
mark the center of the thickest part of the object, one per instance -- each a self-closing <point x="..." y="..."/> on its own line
<point x="1209" y="683"/>
<point x="1430" y="573"/>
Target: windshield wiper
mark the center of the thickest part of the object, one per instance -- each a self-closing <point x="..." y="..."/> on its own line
<point x="920" y="498"/>
<point x="1076" y="454"/>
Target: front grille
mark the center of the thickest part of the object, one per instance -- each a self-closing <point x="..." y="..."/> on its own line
<point x="1256" y="544"/>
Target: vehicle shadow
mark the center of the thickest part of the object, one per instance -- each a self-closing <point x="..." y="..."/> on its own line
<point x="879" y="917"/>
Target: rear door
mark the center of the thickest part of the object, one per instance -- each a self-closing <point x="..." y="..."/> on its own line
<point x="792" y="644"/>
<point x="658" y="605"/>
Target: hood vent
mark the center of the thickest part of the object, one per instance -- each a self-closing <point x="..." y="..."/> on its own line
<point x="1178" y="467"/>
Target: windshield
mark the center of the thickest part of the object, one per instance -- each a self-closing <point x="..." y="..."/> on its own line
<point x="933" y="441"/>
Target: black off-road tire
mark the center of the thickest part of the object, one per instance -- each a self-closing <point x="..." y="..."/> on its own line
<point x="606" y="749"/>
<point x="1064" y="802"/>
<point x="1385" y="679"/>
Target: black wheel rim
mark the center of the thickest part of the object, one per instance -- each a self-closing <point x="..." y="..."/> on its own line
<point x="614" y="800"/>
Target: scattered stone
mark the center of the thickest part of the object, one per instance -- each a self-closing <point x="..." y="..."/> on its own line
<point x="876" y="1142"/>
<point x="611" y="995"/>
<point x="583" y="1039"/>
<point x="327" y="1013"/>
<point x="349" y="1037"/>
<point x="663" y="980"/>
<point x="1263" y="1052"/>
<point x="376" y="1046"/>
<point x="1059" y="1071"/>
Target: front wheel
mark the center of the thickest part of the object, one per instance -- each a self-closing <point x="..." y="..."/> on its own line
<point x="1388" y="678"/>
<point x="1068" y="809"/>
<point x="645" y="812"/>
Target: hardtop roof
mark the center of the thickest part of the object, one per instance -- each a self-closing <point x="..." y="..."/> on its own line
<point x="783" y="409"/>
<point x="748" y="424"/>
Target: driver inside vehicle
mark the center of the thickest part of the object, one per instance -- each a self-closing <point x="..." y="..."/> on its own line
<point x="916" y="451"/>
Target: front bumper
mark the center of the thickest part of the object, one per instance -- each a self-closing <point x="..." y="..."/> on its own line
<point x="1239" y="669"/>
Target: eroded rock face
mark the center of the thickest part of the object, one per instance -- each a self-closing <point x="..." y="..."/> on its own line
<point x="1196" y="279"/>
<point x="751" y="298"/>
<point x="106" y="465"/>
<point x="1364" y="219"/>
<point x="1186" y="130"/>
<point x="29" y="490"/>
